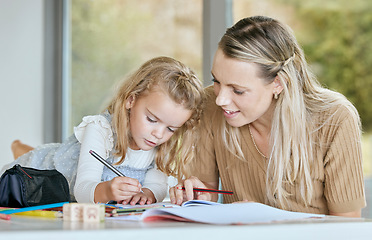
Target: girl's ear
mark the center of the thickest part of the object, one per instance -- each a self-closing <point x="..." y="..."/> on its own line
<point x="278" y="87"/>
<point x="130" y="102"/>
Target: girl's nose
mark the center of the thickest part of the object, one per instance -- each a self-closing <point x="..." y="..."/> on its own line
<point x="158" y="133"/>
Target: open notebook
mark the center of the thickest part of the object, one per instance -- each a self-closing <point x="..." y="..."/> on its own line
<point x="215" y="213"/>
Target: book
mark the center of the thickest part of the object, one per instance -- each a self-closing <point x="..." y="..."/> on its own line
<point x="120" y="208"/>
<point x="215" y="213"/>
<point x="198" y="203"/>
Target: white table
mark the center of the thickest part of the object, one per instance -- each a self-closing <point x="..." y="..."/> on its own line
<point x="27" y="228"/>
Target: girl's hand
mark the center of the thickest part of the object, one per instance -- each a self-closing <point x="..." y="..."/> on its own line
<point x="118" y="189"/>
<point x="122" y="188"/>
<point x="145" y="197"/>
<point x="178" y="196"/>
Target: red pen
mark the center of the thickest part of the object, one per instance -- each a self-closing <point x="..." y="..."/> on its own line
<point x="208" y="190"/>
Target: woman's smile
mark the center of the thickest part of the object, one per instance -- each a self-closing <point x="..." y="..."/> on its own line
<point x="230" y="114"/>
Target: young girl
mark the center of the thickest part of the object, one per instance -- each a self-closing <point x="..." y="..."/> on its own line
<point x="147" y="131"/>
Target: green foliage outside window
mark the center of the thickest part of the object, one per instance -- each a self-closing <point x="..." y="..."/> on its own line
<point x="337" y="39"/>
<point x="112" y="38"/>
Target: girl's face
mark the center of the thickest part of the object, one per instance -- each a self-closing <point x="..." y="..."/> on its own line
<point x="242" y="95"/>
<point x="154" y="117"/>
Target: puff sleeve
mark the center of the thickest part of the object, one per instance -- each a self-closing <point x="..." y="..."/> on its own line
<point x="94" y="133"/>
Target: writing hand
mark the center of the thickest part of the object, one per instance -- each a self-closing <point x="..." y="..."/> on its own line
<point x="122" y="188"/>
<point x="145" y="197"/>
<point x="118" y="189"/>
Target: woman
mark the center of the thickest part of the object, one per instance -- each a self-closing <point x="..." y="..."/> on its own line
<point x="271" y="133"/>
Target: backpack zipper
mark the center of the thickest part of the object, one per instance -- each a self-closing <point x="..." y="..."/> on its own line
<point x="24" y="172"/>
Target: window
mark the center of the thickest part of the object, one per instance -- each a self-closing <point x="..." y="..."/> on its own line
<point x="111" y="38"/>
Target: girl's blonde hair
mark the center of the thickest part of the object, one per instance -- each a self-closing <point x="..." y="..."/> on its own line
<point x="273" y="47"/>
<point x="183" y="87"/>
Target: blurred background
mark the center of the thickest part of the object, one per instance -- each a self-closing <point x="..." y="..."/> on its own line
<point x="61" y="59"/>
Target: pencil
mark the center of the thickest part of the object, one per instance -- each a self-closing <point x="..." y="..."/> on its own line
<point x="124" y="214"/>
<point x="208" y="190"/>
<point x="39" y="207"/>
<point x="5" y="216"/>
<point x="128" y="210"/>
<point x="40" y="213"/>
<point x="137" y="209"/>
<point x="107" y="164"/>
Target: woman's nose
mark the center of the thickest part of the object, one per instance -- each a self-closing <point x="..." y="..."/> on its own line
<point x="223" y="98"/>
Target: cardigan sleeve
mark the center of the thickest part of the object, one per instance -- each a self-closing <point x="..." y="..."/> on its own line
<point x="344" y="183"/>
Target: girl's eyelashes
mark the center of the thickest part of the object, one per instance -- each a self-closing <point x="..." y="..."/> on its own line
<point x="150" y="119"/>
<point x="215" y="81"/>
<point x="154" y="121"/>
<point x="171" y="129"/>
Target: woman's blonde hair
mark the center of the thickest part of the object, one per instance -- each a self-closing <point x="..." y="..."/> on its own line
<point x="183" y="87"/>
<point x="273" y="47"/>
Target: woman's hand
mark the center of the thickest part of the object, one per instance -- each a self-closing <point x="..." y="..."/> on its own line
<point x="145" y="197"/>
<point x="118" y="189"/>
<point x="355" y="214"/>
<point x="177" y="195"/>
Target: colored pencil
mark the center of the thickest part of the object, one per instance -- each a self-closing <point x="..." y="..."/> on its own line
<point x="123" y="214"/>
<point x="40" y="213"/>
<point x="5" y="216"/>
<point x="129" y="210"/>
<point x="40" y="207"/>
<point x="209" y="190"/>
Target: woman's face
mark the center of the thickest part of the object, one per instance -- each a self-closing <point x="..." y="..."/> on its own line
<point x="241" y="93"/>
<point x="154" y="117"/>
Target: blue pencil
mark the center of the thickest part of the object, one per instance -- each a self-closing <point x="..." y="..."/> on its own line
<point x="40" y="207"/>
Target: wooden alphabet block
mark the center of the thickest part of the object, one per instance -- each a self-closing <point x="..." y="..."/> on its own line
<point x="84" y="212"/>
<point x="72" y="212"/>
<point x="93" y="212"/>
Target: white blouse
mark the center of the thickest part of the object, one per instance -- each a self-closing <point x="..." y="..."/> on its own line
<point x="95" y="133"/>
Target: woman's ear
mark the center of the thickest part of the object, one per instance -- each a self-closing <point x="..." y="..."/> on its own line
<point x="129" y="103"/>
<point x="278" y="87"/>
